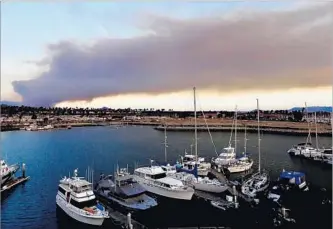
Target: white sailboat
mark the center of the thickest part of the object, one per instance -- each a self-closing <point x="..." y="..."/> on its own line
<point x="189" y="160"/>
<point x="76" y="198"/>
<point x="228" y="154"/>
<point x="306" y="149"/>
<point x="191" y="170"/>
<point x="259" y="181"/>
<point x="243" y="163"/>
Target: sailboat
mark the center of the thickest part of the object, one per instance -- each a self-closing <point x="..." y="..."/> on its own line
<point x="260" y="180"/>
<point x="306" y="149"/>
<point x="228" y="154"/>
<point x="188" y="173"/>
<point x="243" y="163"/>
<point x="189" y="160"/>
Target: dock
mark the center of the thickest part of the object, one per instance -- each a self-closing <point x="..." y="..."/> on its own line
<point x="13" y="183"/>
<point x="231" y="187"/>
<point x="119" y="218"/>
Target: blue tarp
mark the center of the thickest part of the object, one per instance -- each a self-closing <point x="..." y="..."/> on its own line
<point x="193" y="171"/>
<point x="291" y="174"/>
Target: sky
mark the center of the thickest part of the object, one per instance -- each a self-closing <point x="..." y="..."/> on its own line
<point x="151" y="55"/>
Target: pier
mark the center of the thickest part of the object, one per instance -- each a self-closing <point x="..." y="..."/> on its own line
<point x="231" y="187"/>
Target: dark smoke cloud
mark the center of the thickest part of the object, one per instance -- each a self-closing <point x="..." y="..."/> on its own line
<point x="254" y="50"/>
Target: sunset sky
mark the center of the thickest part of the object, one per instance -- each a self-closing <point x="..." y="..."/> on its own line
<point x="150" y="55"/>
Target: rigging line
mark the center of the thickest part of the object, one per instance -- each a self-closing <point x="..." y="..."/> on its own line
<point x="232" y="129"/>
<point x="210" y="135"/>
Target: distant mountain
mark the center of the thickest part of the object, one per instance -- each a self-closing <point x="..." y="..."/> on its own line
<point x="313" y="109"/>
<point x="10" y="103"/>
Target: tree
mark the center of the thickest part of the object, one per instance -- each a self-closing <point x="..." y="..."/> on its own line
<point x="298" y="116"/>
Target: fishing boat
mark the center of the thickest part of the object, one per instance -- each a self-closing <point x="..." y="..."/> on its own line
<point x="260" y="180"/>
<point x="243" y="163"/>
<point x="7" y="172"/>
<point x="76" y="198"/>
<point x="288" y="181"/>
<point x="155" y="180"/>
<point x="123" y="190"/>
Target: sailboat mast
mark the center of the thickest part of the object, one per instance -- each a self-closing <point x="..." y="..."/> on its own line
<point x="245" y="140"/>
<point x="308" y="139"/>
<point x="258" y="113"/>
<point x="195" y="126"/>
<point x="315" y="119"/>
<point x="165" y="144"/>
<point x="236" y="129"/>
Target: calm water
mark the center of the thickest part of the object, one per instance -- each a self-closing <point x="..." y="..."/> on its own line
<point x="53" y="154"/>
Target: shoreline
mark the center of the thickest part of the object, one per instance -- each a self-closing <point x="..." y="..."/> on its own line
<point x="214" y="125"/>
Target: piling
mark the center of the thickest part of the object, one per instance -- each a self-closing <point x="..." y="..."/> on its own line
<point x="129" y="221"/>
<point x="23" y="170"/>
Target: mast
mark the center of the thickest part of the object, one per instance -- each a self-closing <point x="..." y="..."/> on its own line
<point x="308" y="139"/>
<point x="236" y="129"/>
<point x="258" y="113"/>
<point x="245" y="140"/>
<point x="195" y="127"/>
<point x="315" y="119"/>
<point x="165" y="144"/>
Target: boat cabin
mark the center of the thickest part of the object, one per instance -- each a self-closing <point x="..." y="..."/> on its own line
<point x="227" y="153"/>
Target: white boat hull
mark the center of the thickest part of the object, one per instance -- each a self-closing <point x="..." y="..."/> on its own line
<point x="240" y="168"/>
<point x="87" y="219"/>
<point x="210" y="188"/>
<point x="185" y="194"/>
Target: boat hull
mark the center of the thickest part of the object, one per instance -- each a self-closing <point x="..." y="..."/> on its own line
<point x="185" y="194"/>
<point x="91" y="220"/>
<point x="240" y="168"/>
<point x="210" y="188"/>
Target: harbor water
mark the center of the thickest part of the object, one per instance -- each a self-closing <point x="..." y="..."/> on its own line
<point x="50" y="155"/>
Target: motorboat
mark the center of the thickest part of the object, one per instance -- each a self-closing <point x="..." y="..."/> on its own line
<point x="76" y="198"/>
<point x="123" y="190"/>
<point x="155" y="180"/>
<point x="288" y="181"/>
<point x="7" y="172"/>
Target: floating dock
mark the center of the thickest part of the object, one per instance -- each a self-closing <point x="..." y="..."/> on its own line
<point x="13" y="183"/>
<point x="231" y="187"/>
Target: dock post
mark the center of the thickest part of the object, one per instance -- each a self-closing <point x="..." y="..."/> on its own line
<point x="283" y="212"/>
<point x="23" y="170"/>
<point x="234" y="190"/>
<point x="129" y="221"/>
<point x="235" y="199"/>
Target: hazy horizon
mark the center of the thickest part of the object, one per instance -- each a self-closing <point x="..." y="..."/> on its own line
<point x="120" y="54"/>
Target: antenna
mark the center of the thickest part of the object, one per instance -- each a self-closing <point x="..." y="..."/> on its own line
<point x="258" y="114"/>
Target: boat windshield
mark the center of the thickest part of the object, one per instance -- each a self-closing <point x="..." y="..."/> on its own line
<point x="81" y="205"/>
<point x="158" y="176"/>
